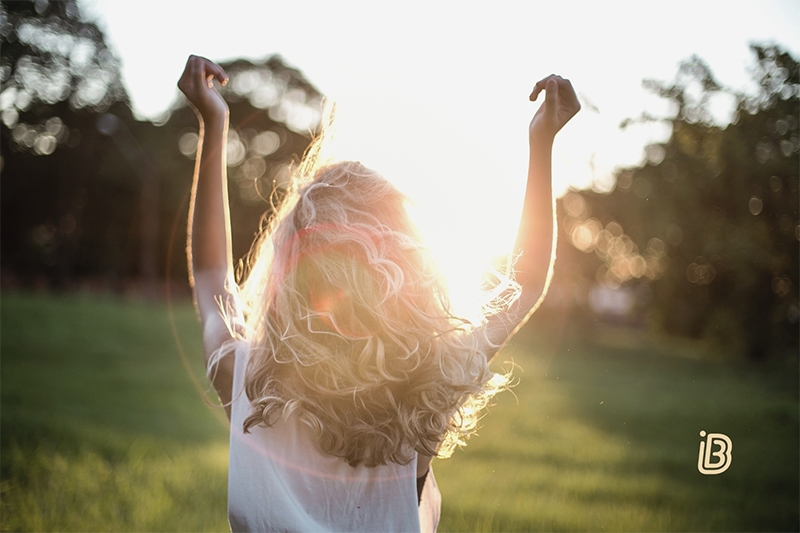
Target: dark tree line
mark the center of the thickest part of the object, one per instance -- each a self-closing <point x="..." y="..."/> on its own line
<point x="707" y="229"/>
<point x="89" y="194"/>
<point x="704" y="235"/>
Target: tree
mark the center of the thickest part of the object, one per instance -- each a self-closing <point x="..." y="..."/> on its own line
<point x="89" y="194"/>
<point x="709" y="225"/>
<point x="62" y="180"/>
<point x="274" y="113"/>
<point x="51" y="55"/>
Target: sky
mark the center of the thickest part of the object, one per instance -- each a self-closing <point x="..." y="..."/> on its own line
<point x="434" y="95"/>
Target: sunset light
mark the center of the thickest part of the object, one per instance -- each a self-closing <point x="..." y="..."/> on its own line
<point x="270" y="266"/>
<point x="435" y="121"/>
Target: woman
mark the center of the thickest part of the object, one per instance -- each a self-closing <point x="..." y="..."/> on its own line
<point x="338" y="361"/>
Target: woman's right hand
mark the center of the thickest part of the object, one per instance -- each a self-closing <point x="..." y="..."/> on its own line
<point x="197" y="84"/>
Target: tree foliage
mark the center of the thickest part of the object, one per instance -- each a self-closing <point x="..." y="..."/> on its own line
<point x="51" y="54"/>
<point x="274" y="111"/>
<point x="702" y="238"/>
<point x="92" y="196"/>
<point x="707" y="228"/>
<point x="65" y="189"/>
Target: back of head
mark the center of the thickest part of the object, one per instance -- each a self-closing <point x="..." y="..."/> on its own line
<point x="350" y="327"/>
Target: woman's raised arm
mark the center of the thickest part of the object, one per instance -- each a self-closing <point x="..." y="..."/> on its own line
<point x="209" y="242"/>
<point x="535" y="243"/>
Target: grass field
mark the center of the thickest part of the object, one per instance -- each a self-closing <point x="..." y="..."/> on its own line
<point x="103" y="430"/>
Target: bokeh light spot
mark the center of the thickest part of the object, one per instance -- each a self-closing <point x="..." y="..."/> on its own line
<point x="266" y="143"/>
<point x="575" y="205"/>
<point x="614" y="229"/>
<point x="236" y="149"/>
<point x="756" y="205"/>
<point x="700" y="271"/>
<point x="781" y="285"/>
<point x="254" y="168"/>
<point x="655" y="154"/>
<point x="187" y="144"/>
<point x="655" y="246"/>
<point x="674" y="234"/>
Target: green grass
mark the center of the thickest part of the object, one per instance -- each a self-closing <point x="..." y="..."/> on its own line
<point x="606" y="439"/>
<point x="103" y="430"/>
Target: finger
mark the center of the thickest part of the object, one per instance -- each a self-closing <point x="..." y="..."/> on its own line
<point x="541" y="86"/>
<point x="551" y="95"/>
<point x="217" y="71"/>
<point x="536" y="90"/>
<point x="204" y="70"/>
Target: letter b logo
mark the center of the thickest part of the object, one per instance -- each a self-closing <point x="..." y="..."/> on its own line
<point x="714" y="440"/>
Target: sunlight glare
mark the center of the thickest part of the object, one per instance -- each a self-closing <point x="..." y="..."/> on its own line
<point x="465" y="190"/>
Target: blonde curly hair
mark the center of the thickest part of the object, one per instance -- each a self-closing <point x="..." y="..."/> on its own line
<point x="349" y="327"/>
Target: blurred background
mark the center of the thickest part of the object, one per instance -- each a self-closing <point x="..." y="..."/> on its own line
<point x="674" y="304"/>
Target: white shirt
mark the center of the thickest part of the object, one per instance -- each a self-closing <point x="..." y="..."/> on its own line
<point x="279" y="480"/>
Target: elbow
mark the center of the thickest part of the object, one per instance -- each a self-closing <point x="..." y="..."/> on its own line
<point x="534" y="281"/>
<point x="532" y="294"/>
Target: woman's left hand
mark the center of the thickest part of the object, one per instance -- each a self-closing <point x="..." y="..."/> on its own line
<point x="560" y="105"/>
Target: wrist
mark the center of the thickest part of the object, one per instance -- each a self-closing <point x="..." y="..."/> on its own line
<point x="540" y="131"/>
<point x="541" y="141"/>
<point x="216" y="121"/>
